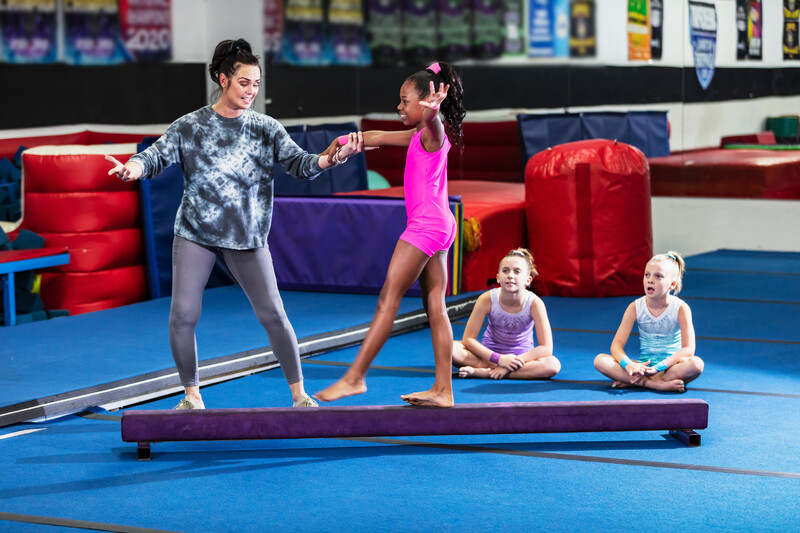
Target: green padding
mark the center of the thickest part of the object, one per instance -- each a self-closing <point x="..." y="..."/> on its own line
<point x="376" y="181"/>
<point x="783" y="126"/>
<point x="762" y="146"/>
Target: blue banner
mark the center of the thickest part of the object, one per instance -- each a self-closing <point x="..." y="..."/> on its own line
<point x="703" y="26"/>
<point x="548" y="28"/>
<point x="29" y="31"/>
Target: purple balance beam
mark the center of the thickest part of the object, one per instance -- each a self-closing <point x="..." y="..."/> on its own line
<point x="680" y="416"/>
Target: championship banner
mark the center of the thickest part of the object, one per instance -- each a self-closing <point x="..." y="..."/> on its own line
<point x="28" y="31"/>
<point x="92" y="33"/>
<point x="582" y="39"/>
<point x="454" y="29"/>
<point x="703" y="28"/>
<point x="347" y="39"/>
<point x="656" y="28"/>
<point x="146" y="29"/>
<point x="303" y="37"/>
<point x="487" y="28"/>
<point x="273" y="31"/>
<point x="384" y="28"/>
<point x="741" y="29"/>
<point x="548" y="28"/>
<point x="754" y="30"/>
<point x="791" y="16"/>
<point x="513" y="14"/>
<point x="420" y="36"/>
<point x="639" y="30"/>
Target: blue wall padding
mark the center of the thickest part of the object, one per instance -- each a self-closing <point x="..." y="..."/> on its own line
<point x="160" y="198"/>
<point x="315" y="139"/>
<point x="27" y="240"/>
<point x="646" y="130"/>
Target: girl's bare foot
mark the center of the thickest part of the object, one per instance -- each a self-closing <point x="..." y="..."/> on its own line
<point x="619" y="385"/>
<point x="341" y="389"/>
<point x="676" y="385"/>
<point x="430" y="398"/>
<point x="472" y="372"/>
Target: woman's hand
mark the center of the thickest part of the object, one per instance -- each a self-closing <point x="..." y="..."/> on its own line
<point x="126" y="172"/>
<point x="354" y="145"/>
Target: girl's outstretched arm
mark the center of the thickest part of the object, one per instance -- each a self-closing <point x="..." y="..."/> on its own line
<point x="433" y="136"/>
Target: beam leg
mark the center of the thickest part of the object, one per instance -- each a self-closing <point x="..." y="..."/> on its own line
<point x="143" y="451"/>
<point x="686" y="436"/>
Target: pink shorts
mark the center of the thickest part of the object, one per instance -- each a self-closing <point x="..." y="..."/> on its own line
<point x="429" y="239"/>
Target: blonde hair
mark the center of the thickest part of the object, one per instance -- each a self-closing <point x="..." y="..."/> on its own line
<point x="527" y="256"/>
<point x="674" y="257"/>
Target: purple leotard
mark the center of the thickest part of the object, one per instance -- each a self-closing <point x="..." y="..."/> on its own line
<point x="431" y="226"/>
<point x="506" y="332"/>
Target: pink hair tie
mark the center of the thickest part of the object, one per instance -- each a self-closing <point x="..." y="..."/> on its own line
<point x="435" y="68"/>
<point x="344" y="139"/>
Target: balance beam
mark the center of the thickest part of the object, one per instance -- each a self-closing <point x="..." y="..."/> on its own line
<point x="679" y="416"/>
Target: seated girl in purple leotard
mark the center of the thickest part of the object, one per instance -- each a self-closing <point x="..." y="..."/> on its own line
<point x="507" y="349"/>
<point x="421" y="252"/>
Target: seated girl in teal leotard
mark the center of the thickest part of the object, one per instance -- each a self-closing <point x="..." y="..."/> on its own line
<point x="666" y="335"/>
<point x="507" y="349"/>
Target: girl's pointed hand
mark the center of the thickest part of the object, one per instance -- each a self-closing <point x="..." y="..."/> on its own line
<point x="436" y="97"/>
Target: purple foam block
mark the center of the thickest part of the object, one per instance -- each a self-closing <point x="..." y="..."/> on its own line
<point x="385" y="421"/>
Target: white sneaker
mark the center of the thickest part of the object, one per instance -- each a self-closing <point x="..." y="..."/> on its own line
<point x="186" y="403"/>
<point x="305" y="401"/>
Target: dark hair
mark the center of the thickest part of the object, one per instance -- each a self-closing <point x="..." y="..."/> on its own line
<point x="227" y="54"/>
<point x="452" y="108"/>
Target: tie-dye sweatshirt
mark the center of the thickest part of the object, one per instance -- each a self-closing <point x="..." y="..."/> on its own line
<point x="227" y="168"/>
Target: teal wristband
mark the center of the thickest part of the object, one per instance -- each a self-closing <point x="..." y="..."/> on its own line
<point x="624" y="361"/>
<point x="661" y="366"/>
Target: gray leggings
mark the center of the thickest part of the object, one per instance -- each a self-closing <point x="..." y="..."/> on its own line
<point x="191" y="267"/>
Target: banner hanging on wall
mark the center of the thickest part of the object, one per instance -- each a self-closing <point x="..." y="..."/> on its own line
<point x="703" y="34"/>
<point x="273" y="30"/>
<point x="582" y="39"/>
<point x="92" y="33"/>
<point x="791" y="17"/>
<point x="347" y="40"/>
<point x="548" y="28"/>
<point x="146" y="29"/>
<point x="741" y="29"/>
<point x="639" y="30"/>
<point x="28" y="31"/>
<point x="656" y="28"/>
<point x="754" y="32"/>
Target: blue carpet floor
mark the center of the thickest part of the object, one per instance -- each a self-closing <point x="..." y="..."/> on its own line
<point x="744" y="477"/>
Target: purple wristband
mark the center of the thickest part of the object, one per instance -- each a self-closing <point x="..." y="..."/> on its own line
<point x="494" y="358"/>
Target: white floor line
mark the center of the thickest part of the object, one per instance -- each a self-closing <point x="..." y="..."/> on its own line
<point x="18" y="433"/>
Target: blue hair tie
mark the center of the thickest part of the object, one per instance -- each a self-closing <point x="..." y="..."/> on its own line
<point x="671" y="256"/>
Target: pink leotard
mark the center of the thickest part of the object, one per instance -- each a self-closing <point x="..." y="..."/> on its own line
<point x="431" y="226"/>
